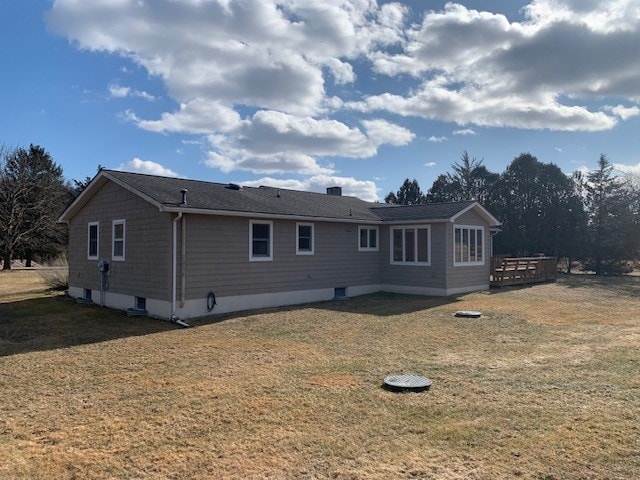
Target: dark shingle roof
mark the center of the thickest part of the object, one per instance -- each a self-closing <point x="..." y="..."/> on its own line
<point x="432" y="211"/>
<point x="265" y="200"/>
<point x="218" y="197"/>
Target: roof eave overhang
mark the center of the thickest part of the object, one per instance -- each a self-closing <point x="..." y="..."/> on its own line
<point x="415" y="221"/>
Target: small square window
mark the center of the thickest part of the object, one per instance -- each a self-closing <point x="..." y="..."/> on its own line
<point x="141" y="303"/>
<point x="87" y="294"/>
<point x="367" y="239"/>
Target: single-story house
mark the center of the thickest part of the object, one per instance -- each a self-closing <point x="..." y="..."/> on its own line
<point x="182" y="248"/>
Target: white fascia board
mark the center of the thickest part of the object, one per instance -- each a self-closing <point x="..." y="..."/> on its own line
<point x="231" y="213"/>
<point x="483" y="212"/>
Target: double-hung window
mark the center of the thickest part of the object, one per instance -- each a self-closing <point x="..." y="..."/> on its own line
<point x="468" y="245"/>
<point x="411" y="245"/>
<point x="260" y="241"/>
<point x="304" y="239"/>
<point x="93" y="235"/>
<point x="367" y="239"/>
<point x="117" y="238"/>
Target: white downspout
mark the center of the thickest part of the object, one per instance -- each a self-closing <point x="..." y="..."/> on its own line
<point x="183" y="262"/>
<point x="174" y="281"/>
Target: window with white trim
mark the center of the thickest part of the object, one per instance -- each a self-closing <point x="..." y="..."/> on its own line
<point x="304" y="239"/>
<point x="260" y="241"/>
<point x="93" y="235"/>
<point x="410" y="245"/>
<point x="468" y="245"/>
<point x="368" y="239"/>
<point x="117" y="239"/>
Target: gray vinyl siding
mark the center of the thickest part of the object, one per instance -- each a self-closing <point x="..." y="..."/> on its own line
<point x="468" y="276"/>
<point x="145" y="272"/>
<point x="432" y="276"/>
<point x="217" y="258"/>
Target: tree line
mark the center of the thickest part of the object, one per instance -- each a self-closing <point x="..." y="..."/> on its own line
<point x="592" y="218"/>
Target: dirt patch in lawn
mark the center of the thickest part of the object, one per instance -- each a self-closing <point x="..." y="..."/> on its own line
<point x="543" y="386"/>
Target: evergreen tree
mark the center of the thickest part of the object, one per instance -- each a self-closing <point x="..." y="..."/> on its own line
<point x="540" y="210"/>
<point x="32" y="195"/>
<point x="609" y="206"/>
<point x="408" y="194"/>
<point x="470" y="181"/>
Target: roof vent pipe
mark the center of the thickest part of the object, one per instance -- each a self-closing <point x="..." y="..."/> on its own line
<point x="184" y="196"/>
<point x="337" y="191"/>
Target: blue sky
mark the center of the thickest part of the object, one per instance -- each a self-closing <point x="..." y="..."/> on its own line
<point x="304" y="94"/>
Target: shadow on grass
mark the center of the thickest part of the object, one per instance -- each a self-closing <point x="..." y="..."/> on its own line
<point x="622" y="284"/>
<point x="55" y="322"/>
<point x="381" y="304"/>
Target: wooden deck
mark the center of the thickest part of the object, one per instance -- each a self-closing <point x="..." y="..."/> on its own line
<point x="522" y="270"/>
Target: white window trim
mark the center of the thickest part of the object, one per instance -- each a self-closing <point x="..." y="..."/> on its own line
<point x="415" y="245"/>
<point x="484" y="251"/>
<point x="369" y="249"/>
<point x="260" y="259"/>
<point x="97" y="255"/>
<point x="313" y="239"/>
<point x="113" y="240"/>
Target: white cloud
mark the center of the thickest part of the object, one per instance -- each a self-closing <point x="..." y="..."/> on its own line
<point x="254" y="76"/>
<point x="558" y="149"/>
<point x="382" y="131"/>
<point x="541" y="73"/>
<point x="146" y="166"/>
<point x="434" y="139"/>
<point x="197" y="116"/>
<point x="257" y="53"/>
<point x="363" y="189"/>
<point x="623" y="112"/>
<point x="430" y="164"/>
<point x="118" y="91"/>
<point x="274" y="142"/>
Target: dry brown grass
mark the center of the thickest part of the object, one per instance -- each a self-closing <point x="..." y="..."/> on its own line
<point x="544" y="386"/>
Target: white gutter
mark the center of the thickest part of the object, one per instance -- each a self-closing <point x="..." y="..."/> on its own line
<point x="174" y="280"/>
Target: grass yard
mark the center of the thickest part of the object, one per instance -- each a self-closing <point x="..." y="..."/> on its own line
<point x="545" y="386"/>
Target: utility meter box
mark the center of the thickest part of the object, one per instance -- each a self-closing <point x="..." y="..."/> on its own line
<point x="103" y="266"/>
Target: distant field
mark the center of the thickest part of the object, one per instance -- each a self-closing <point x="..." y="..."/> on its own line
<point x="545" y="385"/>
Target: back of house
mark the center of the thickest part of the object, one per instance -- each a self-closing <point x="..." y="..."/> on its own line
<point x="180" y="248"/>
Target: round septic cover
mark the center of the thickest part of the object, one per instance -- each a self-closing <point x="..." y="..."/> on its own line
<point x="414" y="383"/>
<point x="468" y="314"/>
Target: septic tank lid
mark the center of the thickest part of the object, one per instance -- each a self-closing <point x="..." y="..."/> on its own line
<point x="414" y="383"/>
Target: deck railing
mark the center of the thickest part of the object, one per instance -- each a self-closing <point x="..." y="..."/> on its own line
<point x="522" y="270"/>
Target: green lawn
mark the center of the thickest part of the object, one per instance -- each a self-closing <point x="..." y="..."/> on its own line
<point x="545" y="385"/>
